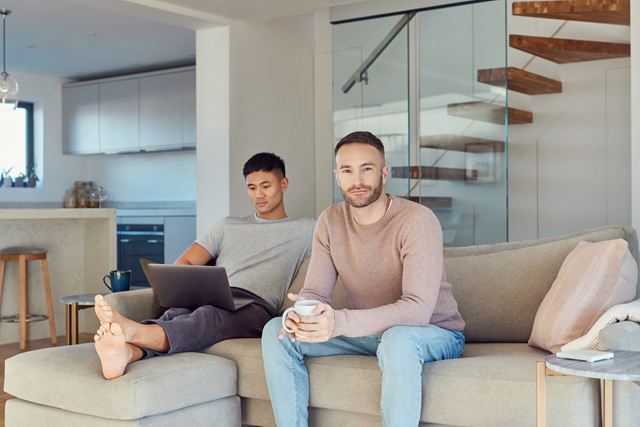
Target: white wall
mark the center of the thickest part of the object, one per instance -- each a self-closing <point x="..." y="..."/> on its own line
<point x="57" y="172"/>
<point x="323" y="110"/>
<point x="212" y="100"/>
<point x="272" y="107"/>
<point x="570" y="170"/>
<point x="145" y="177"/>
<point x="635" y="112"/>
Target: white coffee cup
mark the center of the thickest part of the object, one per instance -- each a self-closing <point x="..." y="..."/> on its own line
<point x="302" y="308"/>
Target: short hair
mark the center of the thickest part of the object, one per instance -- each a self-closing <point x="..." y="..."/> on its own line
<point x="361" y="137"/>
<point x="264" y="162"/>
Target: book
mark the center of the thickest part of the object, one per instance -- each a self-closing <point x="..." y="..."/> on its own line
<point x="585" y="355"/>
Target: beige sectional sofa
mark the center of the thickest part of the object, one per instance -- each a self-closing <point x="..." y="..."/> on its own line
<point x="498" y="288"/>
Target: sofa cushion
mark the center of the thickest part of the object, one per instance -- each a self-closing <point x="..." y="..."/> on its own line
<point x="500" y="287"/>
<point x="593" y="278"/>
<point x="488" y="376"/>
<point x="70" y="378"/>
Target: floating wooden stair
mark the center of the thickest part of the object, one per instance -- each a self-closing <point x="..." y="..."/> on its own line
<point x="462" y="143"/>
<point x="485" y="112"/>
<point x="565" y="51"/>
<point x="616" y="12"/>
<point x="430" y="172"/>
<point x="433" y="202"/>
<point x="520" y="81"/>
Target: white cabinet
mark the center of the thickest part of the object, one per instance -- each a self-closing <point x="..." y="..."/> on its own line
<point x="189" y="109"/>
<point x="153" y="111"/>
<point x="161" y="111"/>
<point x="80" y="119"/>
<point x="119" y="121"/>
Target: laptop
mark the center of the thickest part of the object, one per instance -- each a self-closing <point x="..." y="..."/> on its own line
<point x="192" y="286"/>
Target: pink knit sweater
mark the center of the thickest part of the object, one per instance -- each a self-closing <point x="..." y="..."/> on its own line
<point x="393" y="270"/>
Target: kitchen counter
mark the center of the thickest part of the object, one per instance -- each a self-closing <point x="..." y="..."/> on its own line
<point x="82" y="248"/>
<point x="57" y="214"/>
<point x="156" y="212"/>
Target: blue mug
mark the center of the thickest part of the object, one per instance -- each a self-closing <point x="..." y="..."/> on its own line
<point x="120" y="280"/>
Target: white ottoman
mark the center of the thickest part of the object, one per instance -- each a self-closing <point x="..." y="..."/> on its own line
<point x="64" y="386"/>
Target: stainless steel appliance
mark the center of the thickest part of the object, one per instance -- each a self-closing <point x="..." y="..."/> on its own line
<point x="137" y="241"/>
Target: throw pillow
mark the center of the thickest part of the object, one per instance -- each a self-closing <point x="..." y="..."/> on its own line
<point x="593" y="278"/>
<point x="618" y="313"/>
<point x="158" y="310"/>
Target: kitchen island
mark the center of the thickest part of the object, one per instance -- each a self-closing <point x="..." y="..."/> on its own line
<point x="82" y="248"/>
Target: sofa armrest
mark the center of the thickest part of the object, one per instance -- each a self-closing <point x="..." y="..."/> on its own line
<point x="621" y="336"/>
<point x="134" y="305"/>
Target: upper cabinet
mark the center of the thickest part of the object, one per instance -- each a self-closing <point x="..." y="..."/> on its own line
<point x="161" y="111"/>
<point x="119" y="118"/>
<point x="146" y="112"/>
<point x="189" y="109"/>
<point x="82" y="134"/>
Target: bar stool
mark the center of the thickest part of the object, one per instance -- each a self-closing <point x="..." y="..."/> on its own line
<point x="22" y="255"/>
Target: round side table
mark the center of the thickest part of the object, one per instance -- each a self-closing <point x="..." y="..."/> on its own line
<point x="624" y="366"/>
<point x="75" y="303"/>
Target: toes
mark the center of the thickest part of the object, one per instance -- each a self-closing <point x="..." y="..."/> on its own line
<point x="96" y="337"/>
<point x="115" y="329"/>
<point x="104" y="329"/>
<point x="98" y="298"/>
<point x="99" y="333"/>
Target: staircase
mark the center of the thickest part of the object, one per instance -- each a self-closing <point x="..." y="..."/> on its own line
<point x="560" y="51"/>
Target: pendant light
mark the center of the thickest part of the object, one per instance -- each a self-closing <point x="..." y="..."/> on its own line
<point x="8" y="85"/>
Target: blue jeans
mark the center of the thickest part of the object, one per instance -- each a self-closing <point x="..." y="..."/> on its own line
<point x="401" y="352"/>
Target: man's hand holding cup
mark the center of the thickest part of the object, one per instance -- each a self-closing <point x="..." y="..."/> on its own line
<point x="307" y="321"/>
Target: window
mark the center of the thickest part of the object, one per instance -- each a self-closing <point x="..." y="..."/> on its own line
<point x="16" y="139"/>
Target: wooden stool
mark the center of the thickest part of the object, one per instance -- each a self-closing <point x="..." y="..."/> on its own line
<point x="22" y="255"/>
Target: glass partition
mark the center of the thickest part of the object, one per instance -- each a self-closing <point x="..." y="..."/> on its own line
<point x="370" y="88"/>
<point x="453" y="159"/>
<point x="462" y="154"/>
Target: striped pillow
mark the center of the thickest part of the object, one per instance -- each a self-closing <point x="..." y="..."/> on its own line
<point x="593" y="278"/>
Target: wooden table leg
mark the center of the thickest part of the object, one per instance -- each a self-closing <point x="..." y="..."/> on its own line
<point x="23" y="301"/>
<point x="47" y="290"/>
<point x="541" y="414"/>
<point x="67" y="323"/>
<point x="1" y="278"/>
<point x="607" y="409"/>
<point x="74" y="323"/>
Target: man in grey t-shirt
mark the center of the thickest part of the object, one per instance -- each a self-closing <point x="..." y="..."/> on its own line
<point x="261" y="254"/>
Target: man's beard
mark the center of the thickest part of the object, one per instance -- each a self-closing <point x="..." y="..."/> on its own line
<point x="375" y="195"/>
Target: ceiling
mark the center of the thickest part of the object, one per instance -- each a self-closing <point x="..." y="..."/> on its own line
<point x="83" y="39"/>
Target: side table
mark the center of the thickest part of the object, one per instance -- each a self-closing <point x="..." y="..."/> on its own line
<point x="75" y="303"/>
<point x="625" y="366"/>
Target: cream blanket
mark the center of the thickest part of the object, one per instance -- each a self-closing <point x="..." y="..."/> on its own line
<point x="617" y="313"/>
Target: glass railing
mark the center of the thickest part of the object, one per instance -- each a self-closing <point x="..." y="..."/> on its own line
<point x="453" y="158"/>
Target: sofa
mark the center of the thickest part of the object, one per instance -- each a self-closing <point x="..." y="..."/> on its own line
<point x="498" y="288"/>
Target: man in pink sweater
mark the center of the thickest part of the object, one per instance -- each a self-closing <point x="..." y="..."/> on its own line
<point x="388" y="252"/>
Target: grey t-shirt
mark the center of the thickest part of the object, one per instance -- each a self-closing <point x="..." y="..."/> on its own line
<point x="260" y="255"/>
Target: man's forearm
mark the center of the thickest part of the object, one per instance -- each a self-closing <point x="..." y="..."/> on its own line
<point x="194" y="255"/>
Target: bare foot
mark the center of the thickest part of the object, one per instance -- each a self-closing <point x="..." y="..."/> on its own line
<point x="115" y="354"/>
<point x="103" y="310"/>
<point x="108" y="315"/>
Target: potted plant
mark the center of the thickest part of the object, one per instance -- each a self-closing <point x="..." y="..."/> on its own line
<point x="19" y="181"/>
<point x="5" y="178"/>
<point x="31" y="175"/>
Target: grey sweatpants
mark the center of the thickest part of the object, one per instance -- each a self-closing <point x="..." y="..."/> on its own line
<point x="193" y="330"/>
